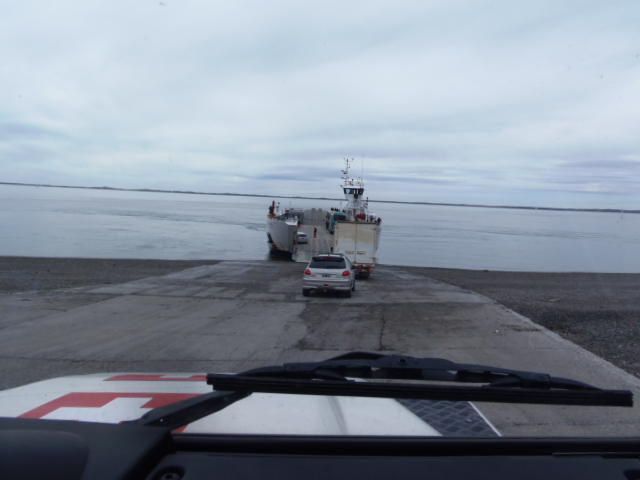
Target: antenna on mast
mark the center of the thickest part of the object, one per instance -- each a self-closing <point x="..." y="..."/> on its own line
<point x="347" y="162"/>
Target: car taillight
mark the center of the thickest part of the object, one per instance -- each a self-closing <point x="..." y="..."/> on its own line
<point x="346" y="273"/>
<point x="307" y="272"/>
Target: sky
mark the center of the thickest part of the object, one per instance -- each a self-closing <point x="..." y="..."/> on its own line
<point x="478" y="102"/>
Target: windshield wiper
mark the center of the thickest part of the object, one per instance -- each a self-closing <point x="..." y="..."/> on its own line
<point x="333" y="377"/>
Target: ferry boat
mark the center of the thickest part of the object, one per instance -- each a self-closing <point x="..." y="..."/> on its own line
<point x="282" y="227"/>
<point x="283" y="223"/>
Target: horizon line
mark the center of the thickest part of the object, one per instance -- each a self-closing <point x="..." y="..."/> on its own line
<point x="188" y="192"/>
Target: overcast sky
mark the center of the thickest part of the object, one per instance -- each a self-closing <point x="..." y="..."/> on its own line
<point x="492" y="102"/>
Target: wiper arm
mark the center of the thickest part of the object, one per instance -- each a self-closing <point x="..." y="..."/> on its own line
<point x="331" y="377"/>
<point x="182" y="413"/>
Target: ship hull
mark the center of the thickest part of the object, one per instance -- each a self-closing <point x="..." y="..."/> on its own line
<point x="281" y="234"/>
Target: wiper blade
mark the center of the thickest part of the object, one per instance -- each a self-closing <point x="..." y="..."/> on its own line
<point x="332" y="377"/>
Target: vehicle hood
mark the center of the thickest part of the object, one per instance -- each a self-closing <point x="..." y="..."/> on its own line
<point x="113" y="398"/>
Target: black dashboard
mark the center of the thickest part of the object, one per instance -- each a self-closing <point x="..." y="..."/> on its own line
<point x="56" y="450"/>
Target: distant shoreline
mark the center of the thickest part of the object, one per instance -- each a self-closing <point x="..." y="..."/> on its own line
<point x="188" y="192"/>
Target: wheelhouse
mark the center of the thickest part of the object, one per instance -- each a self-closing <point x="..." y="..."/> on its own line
<point x="353" y="191"/>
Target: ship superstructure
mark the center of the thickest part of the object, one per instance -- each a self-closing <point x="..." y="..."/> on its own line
<point x="356" y="230"/>
<point x="357" y="208"/>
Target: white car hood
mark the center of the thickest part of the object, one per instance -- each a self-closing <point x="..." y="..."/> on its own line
<point x="113" y="398"/>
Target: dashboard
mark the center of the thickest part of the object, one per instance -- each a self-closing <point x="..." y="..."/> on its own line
<point x="56" y="450"/>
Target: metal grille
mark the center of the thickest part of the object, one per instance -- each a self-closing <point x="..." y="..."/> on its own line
<point x="450" y="419"/>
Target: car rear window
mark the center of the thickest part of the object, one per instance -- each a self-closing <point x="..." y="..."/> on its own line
<point x="328" y="262"/>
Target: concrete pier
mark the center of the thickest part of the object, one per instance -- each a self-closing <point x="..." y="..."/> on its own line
<point x="236" y="315"/>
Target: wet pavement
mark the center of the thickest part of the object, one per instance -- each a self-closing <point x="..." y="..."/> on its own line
<point x="236" y="315"/>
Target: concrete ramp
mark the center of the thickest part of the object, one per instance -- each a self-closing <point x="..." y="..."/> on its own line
<point x="237" y="315"/>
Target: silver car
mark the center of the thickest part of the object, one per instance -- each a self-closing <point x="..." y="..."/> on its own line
<point x="302" y="237"/>
<point x="329" y="272"/>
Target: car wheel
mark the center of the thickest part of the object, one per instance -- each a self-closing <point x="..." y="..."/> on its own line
<point x="305" y="292"/>
<point x="347" y="294"/>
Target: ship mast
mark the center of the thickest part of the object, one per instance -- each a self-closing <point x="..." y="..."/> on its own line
<point x="345" y="172"/>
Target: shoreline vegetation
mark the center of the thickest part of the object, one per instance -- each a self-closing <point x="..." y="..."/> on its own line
<point x="598" y="311"/>
<point x="189" y="192"/>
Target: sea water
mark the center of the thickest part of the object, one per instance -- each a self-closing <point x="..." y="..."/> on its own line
<point x="64" y="222"/>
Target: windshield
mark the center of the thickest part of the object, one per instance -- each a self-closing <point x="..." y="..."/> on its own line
<point x="170" y="169"/>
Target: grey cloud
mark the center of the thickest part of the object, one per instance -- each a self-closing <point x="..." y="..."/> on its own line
<point x="27" y="154"/>
<point x="603" y="164"/>
<point x="411" y="179"/>
<point x="300" y="174"/>
<point x="488" y="96"/>
<point x="615" y="177"/>
<point x="285" y="176"/>
<point x="21" y="131"/>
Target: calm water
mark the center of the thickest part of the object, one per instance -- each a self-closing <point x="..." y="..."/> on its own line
<point x="93" y="223"/>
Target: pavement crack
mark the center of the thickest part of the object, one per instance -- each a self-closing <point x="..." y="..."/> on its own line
<point x="384" y="322"/>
